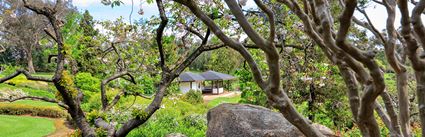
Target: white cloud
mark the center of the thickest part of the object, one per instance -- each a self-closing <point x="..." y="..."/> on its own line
<point x="85" y="3"/>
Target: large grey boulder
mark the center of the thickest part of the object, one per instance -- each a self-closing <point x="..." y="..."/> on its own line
<point x="242" y="120"/>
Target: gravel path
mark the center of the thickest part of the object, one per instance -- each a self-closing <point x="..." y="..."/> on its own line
<point x="209" y="97"/>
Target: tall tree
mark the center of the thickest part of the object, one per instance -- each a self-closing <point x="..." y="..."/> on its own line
<point x="16" y="20"/>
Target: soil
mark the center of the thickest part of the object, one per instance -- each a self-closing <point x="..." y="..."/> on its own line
<point x="63" y="129"/>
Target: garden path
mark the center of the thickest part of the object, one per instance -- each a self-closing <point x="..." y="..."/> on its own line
<point x="208" y="97"/>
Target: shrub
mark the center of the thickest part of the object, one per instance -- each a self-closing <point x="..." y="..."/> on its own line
<point x="7" y="69"/>
<point x="193" y="96"/>
<point x="251" y="93"/>
<point x="22" y="109"/>
<point x="173" y="89"/>
<point x="179" y="117"/>
<point x="92" y="102"/>
<point x="86" y="81"/>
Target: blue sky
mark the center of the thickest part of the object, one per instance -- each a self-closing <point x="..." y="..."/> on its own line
<point x="102" y="12"/>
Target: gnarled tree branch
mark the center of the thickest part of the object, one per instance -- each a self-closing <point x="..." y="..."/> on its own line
<point x="61" y="104"/>
<point x="27" y="75"/>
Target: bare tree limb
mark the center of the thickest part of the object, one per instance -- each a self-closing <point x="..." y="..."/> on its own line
<point x="109" y="127"/>
<point x="160" y="31"/>
<point x="74" y="110"/>
<point x="197" y="33"/>
<point x="246" y="26"/>
<point x="61" y="104"/>
<point x="50" y="33"/>
<point x="2" y="49"/>
<point x="270" y="15"/>
<point x="413" y="40"/>
<point x="229" y="42"/>
<point x="369" y="25"/>
<point x="417" y="21"/>
<point x="106" y="81"/>
<point x="366" y="107"/>
<point x="27" y="75"/>
<point x="379" y="2"/>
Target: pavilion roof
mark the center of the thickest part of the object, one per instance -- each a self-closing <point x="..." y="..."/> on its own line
<point x="189" y="76"/>
<point x="213" y="75"/>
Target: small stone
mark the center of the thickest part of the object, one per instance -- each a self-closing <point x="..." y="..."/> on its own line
<point x="176" y="135"/>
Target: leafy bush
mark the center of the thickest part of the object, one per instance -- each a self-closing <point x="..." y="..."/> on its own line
<point x="175" y="116"/>
<point x="7" y="69"/>
<point x="251" y="93"/>
<point x="22" y="109"/>
<point x="145" y="84"/>
<point x="173" y="89"/>
<point x="86" y="81"/>
<point x="193" y="96"/>
<point x="91" y="102"/>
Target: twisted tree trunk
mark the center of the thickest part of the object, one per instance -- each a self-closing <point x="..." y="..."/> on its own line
<point x="30" y="64"/>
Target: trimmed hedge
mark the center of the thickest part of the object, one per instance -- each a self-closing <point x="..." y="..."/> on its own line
<point x="22" y="109"/>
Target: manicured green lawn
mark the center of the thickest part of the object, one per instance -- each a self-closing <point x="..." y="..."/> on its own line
<point x="23" y="126"/>
<point x="220" y="100"/>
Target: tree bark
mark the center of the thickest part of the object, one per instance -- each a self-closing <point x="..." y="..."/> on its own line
<point x="404" y="104"/>
<point x="30" y="64"/>
<point x="420" y="91"/>
<point x="413" y="40"/>
<point x="353" y="95"/>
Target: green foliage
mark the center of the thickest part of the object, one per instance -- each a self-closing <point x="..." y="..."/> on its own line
<point x="101" y="132"/>
<point x="140" y="114"/>
<point x="86" y="81"/>
<point x="22" y="109"/>
<point x="92" y="102"/>
<point x="175" y="116"/>
<point x="31" y="88"/>
<point x="27" y="90"/>
<point x="391" y="83"/>
<point x="93" y="115"/>
<point x="145" y="84"/>
<point x="173" y="89"/>
<point x="224" y="60"/>
<point x="87" y="51"/>
<point x="193" y="96"/>
<point x="8" y="69"/>
<point x="251" y="93"/>
<point x="23" y="126"/>
<point x="112" y="3"/>
<point x="87" y="25"/>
